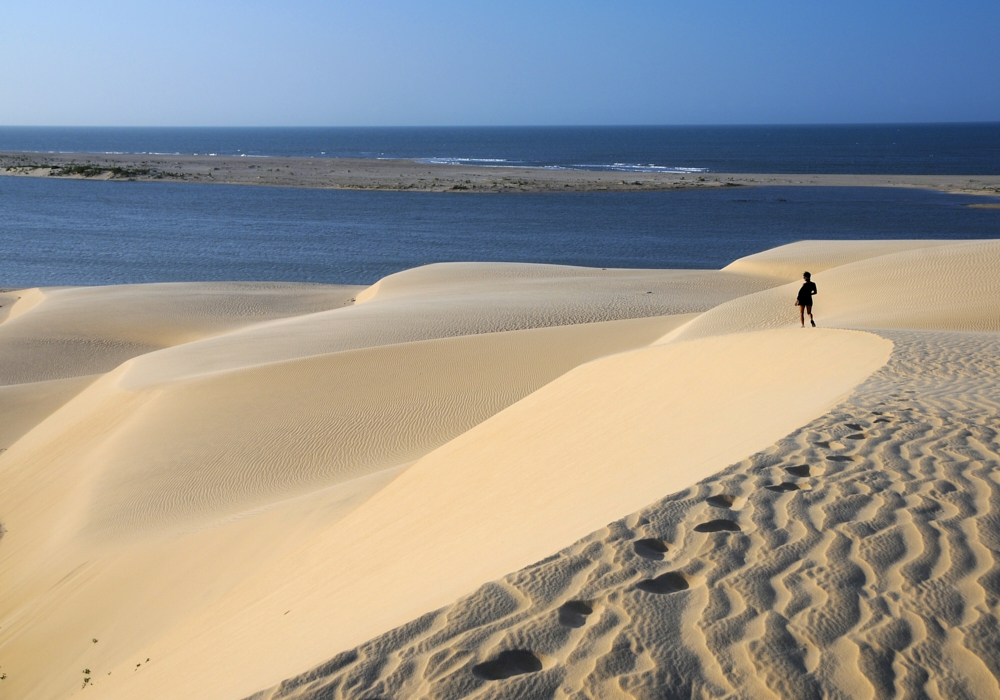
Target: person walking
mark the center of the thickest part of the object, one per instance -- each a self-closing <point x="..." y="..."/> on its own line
<point x="805" y="300"/>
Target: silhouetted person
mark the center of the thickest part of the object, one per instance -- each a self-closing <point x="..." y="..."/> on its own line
<point x="805" y="300"/>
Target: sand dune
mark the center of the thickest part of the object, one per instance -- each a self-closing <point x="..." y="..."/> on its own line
<point x="854" y="558"/>
<point x="547" y="470"/>
<point x="225" y="485"/>
<point x="158" y="486"/>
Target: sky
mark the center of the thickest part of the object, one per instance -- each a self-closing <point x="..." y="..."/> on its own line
<point x="384" y="63"/>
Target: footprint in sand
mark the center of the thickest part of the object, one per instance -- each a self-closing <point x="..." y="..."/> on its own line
<point x="800" y="470"/>
<point x="856" y="436"/>
<point x="573" y="613"/>
<point x="783" y="487"/>
<point x="650" y="548"/>
<point x="721" y="525"/>
<point x="720" y="501"/>
<point x="854" y="426"/>
<point x="825" y="444"/>
<point x="881" y="420"/>
<point x="670" y="582"/>
<point x="507" y="664"/>
<point x="840" y="458"/>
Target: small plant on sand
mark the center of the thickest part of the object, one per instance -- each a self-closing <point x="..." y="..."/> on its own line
<point x="85" y="170"/>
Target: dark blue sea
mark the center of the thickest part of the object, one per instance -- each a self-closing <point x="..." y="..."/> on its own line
<point x="960" y="149"/>
<point x="72" y="232"/>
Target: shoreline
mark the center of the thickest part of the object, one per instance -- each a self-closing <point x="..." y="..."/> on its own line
<point x="411" y="175"/>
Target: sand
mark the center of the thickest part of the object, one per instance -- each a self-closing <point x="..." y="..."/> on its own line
<point x="412" y="175"/>
<point x="500" y="480"/>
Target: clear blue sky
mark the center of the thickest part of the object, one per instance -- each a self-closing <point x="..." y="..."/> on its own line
<point x="299" y="62"/>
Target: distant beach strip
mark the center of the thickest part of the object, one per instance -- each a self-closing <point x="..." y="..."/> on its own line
<point x="442" y="175"/>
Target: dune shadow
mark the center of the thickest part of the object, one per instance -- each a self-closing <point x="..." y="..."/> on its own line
<point x="573" y="613"/>
<point x="507" y="664"/>
<point x="650" y="548"/>
<point x="670" y="582"/>
<point x="718" y="526"/>
<point x="720" y="501"/>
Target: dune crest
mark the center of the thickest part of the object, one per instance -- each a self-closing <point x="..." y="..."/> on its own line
<point x="940" y="287"/>
<point x="788" y="262"/>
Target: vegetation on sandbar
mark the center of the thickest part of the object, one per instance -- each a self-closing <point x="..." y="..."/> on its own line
<point x="88" y="170"/>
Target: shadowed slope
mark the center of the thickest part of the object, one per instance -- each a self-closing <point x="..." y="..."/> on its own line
<point x="88" y="330"/>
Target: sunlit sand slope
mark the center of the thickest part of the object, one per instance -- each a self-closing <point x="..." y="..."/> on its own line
<point x="855" y="558"/>
<point x="23" y="406"/>
<point x="202" y="448"/>
<point x="595" y="443"/>
<point x="788" y="262"/>
<point x="232" y="424"/>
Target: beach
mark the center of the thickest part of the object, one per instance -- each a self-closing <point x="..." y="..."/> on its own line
<point x="508" y="480"/>
<point x="413" y="175"/>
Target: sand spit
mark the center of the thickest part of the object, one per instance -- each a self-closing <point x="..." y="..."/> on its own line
<point x="343" y="479"/>
<point x="411" y="175"/>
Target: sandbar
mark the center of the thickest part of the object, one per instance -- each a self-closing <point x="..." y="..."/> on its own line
<point x="412" y="175"/>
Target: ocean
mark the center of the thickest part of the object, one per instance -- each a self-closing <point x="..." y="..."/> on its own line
<point x="932" y="149"/>
<point x="68" y="232"/>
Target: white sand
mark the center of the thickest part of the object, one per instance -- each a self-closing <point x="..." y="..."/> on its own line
<point x="238" y="482"/>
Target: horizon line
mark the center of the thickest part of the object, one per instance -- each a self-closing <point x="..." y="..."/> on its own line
<point x="505" y="126"/>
